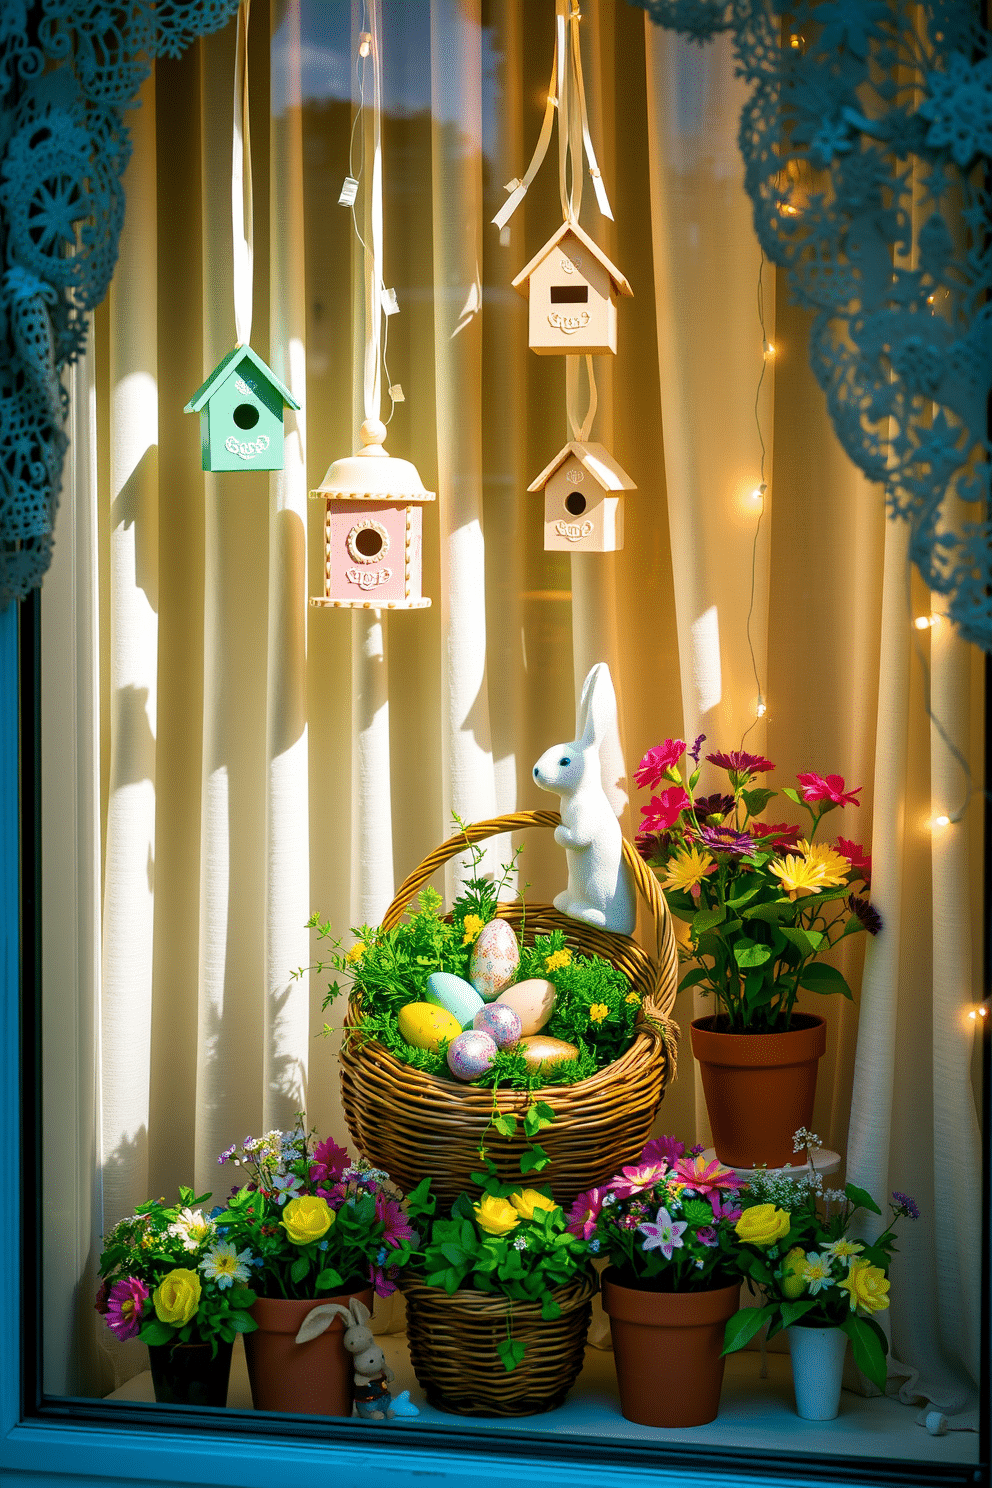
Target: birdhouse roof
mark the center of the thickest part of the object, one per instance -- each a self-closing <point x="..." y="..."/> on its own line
<point x="596" y="459"/>
<point x="619" y="282"/>
<point x="227" y="368"/>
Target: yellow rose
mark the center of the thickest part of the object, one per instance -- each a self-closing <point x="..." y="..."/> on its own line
<point x="496" y="1216"/>
<point x="793" y="1273"/>
<point x="306" y="1219"/>
<point x="177" y="1298"/>
<point x="763" y="1225"/>
<point x="867" y="1287"/>
<point x="525" y="1203"/>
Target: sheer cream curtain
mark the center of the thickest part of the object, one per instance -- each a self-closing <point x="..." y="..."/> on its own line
<point x="261" y="759"/>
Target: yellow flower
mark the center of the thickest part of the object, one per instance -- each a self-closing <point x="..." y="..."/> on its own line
<point x="633" y="998"/>
<point x="177" y="1297"/>
<point x="356" y="953"/>
<point x="525" y="1203"/>
<point x="763" y="1224"/>
<point x="496" y="1216"/>
<point x="687" y="870"/>
<point x="598" y="1012"/>
<point x="835" y="866"/>
<point x="307" y="1218"/>
<point x="793" y="1280"/>
<point x="798" y="876"/>
<point x="866" y="1286"/>
<point x="843" y="1249"/>
<point x="558" y="958"/>
<point x="472" y="924"/>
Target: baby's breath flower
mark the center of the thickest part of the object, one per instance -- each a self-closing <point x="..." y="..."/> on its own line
<point x="802" y="1140"/>
<point x="520" y="1243"/>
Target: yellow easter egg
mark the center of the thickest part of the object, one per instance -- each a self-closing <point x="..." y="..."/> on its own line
<point x="426" y="1026"/>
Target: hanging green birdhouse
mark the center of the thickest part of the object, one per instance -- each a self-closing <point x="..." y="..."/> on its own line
<point x="241" y="414"/>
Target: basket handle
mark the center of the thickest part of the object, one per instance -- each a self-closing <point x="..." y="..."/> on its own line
<point x="644" y="882"/>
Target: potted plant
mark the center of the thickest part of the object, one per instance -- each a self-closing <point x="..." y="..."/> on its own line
<point x="819" y="1282"/>
<point x="322" y="1228"/>
<point x="666" y="1223"/>
<point x="499" y="1299"/>
<point x="764" y="904"/>
<point x="172" y="1278"/>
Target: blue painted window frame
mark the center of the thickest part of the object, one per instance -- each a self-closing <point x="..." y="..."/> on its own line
<point x="57" y="1443"/>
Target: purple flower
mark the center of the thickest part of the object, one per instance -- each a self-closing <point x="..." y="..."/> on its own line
<point x="658" y="761"/>
<point x="706" y="1235"/>
<point x="728" y="1209"/>
<point x="739" y="762"/>
<point x="715" y="805"/>
<point x="906" y="1205"/>
<point x="866" y="913"/>
<point x="384" y="1281"/>
<point x="329" y="1162"/>
<point x="228" y="1153"/>
<point x="665" y="1234"/>
<point x="727" y="840"/>
<point x="697" y="746"/>
<point x="397" y="1226"/>
<point x="124" y="1307"/>
<point x="665" y="1150"/>
<point x="100" y="1301"/>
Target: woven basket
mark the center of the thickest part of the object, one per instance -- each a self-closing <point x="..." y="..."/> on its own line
<point x="416" y="1125"/>
<point x="453" y="1342"/>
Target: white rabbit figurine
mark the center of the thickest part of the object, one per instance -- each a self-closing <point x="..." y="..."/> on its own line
<point x="599" y="885"/>
<point x="372" y="1374"/>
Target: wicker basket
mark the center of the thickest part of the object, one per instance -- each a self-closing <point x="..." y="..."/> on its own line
<point x="453" y="1342"/>
<point x="416" y="1125"/>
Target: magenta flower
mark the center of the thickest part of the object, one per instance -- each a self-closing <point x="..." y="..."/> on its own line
<point x="727" y="840"/>
<point x="665" y="1234"/>
<point x="581" y="1218"/>
<point x="706" y="1177"/>
<point x="859" y="860"/>
<point x="384" y="1279"/>
<point x="828" y="788"/>
<point x="781" y="834"/>
<point x="328" y="1163"/>
<point x="664" y="810"/>
<point x="124" y="1307"/>
<point x="100" y="1301"/>
<point x="658" y="761"/>
<point x="706" y="1235"/>
<point x="725" y="1207"/>
<point x="739" y="762"/>
<point x="635" y="1179"/>
<point x="665" y="1150"/>
<point x="398" y="1227"/>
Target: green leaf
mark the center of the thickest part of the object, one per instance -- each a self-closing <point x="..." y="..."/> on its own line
<point x="743" y="1326"/>
<point x="756" y="800"/>
<point x="806" y="942"/>
<point x="156" y="1332"/>
<point x="534" y="1159"/>
<point x="537" y="1117"/>
<point x="328" y="1279"/>
<point x="506" y="1124"/>
<point x="773" y="913"/>
<point x="740" y="900"/>
<point x="549" y="1307"/>
<point x="240" y="1297"/>
<point x="455" y="1254"/>
<point x="825" y="979"/>
<point x="706" y="919"/>
<point x="869" y="1355"/>
<point x="751" y="953"/>
<point x="242" y="1323"/>
<point x="792" y="793"/>
<point x="861" y="1197"/>
<point x="694" y="977"/>
<point x="511" y="1351"/>
<point x="793" y="1311"/>
<point x="299" y="1268"/>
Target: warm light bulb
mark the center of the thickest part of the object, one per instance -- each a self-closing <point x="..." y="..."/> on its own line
<point x="758" y="494"/>
<point x="941" y="821"/>
<point x="767" y="350"/>
<point x="796" y="41"/>
<point x="925" y="622"/>
<point x="978" y="1012"/>
<point x="364" y="44"/>
<point x="788" y="210"/>
<point x="760" y="708"/>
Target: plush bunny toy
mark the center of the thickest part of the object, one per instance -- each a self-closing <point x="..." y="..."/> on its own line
<point x="373" y="1401"/>
<point x="599" y="886"/>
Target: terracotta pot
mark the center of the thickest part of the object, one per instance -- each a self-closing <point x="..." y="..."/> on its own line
<point x="310" y="1379"/>
<point x="666" y="1347"/>
<point x="759" y="1088"/>
<point x="189" y="1374"/>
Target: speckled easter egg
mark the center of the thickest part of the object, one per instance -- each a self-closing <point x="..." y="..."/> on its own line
<point x="426" y="1026"/>
<point x="541" y="1048"/>
<point x="460" y="998"/>
<point x="495" y="958"/>
<point x="532" y="1000"/>
<point x="502" y="1023"/>
<point x="470" y="1054"/>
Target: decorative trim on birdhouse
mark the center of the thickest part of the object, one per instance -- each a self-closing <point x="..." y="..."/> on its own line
<point x="572" y="288"/>
<point x="241" y="414"/>
<point x="583" y="510"/>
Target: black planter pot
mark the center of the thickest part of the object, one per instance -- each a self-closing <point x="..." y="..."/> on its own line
<point x="187" y="1374"/>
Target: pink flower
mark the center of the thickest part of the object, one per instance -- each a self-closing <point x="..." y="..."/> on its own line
<point x="102" y="1293"/>
<point x="828" y="788"/>
<point x="663" y="811"/>
<point x="658" y="761"/>
<point x="781" y="833"/>
<point x="635" y="1179"/>
<point x="739" y="762"/>
<point x="665" y="1150"/>
<point x="581" y="1218"/>
<point x="859" y="860"/>
<point x="398" y="1227"/>
<point x="706" y="1235"/>
<point x="725" y="1208"/>
<point x="328" y="1163"/>
<point x="705" y="1177"/>
<point x="384" y="1280"/>
<point x="124" y="1307"/>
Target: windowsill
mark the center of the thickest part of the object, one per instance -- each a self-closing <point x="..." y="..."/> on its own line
<point x="763" y="1409"/>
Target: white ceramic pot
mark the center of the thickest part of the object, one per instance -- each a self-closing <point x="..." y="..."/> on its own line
<point x="817" y="1367"/>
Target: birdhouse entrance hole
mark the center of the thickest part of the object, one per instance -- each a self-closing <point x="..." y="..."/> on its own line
<point x="245" y="416"/>
<point x="569" y="294"/>
<point x="575" y="503"/>
<point x="368" y="542"/>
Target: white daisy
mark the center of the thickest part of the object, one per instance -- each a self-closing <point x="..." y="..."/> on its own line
<point x="192" y="1227"/>
<point x="225" y="1265"/>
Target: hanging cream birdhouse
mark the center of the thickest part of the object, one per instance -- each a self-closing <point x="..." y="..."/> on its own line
<point x="572" y="287"/>
<point x="583" y="504"/>
<point x="373" y="529"/>
<point x="241" y="414"/>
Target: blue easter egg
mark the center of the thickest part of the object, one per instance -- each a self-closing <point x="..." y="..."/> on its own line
<point x="460" y="998"/>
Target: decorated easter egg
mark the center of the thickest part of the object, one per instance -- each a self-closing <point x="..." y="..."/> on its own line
<point x="502" y="1023"/>
<point x="470" y="1054"/>
<point x="460" y="998"/>
<point x="533" y="1000"/>
<point x="541" y="1048"/>
<point x="427" y="1026"/>
<point x="495" y="958"/>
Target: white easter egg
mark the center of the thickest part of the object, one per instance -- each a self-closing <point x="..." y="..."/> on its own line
<point x="533" y="1001"/>
<point x="470" y="1054"/>
<point x="446" y="990"/>
<point x="501" y="1022"/>
<point x="495" y="958"/>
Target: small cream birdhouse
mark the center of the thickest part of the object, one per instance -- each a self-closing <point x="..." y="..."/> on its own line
<point x="373" y="529"/>
<point x="583" y="502"/>
<point x="572" y="287"/>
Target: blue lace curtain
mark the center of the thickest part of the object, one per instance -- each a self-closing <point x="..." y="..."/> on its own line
<point x="69" y="69"/>
<point x="867" y="145"/>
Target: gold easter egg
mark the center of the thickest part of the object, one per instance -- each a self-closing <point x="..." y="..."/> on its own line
<point x="426" y="1026"/>
<point x="541" y="1048"/>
